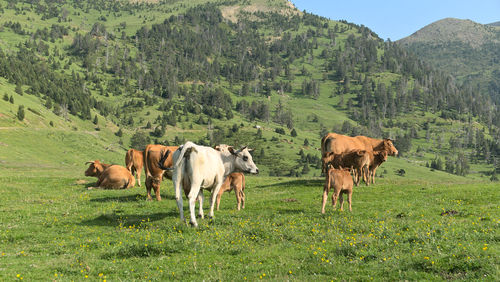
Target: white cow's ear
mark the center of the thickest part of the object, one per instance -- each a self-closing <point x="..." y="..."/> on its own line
<point x="250" y="150"/>
<point x="217" y="147"/>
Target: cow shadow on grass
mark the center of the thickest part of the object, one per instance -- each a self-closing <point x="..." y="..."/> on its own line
<point x="297" y="182"/>
<point x="116" y="218"/>
<point x="130" y="198"/>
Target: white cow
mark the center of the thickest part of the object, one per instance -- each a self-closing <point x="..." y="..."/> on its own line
<point x="201" y="167"/>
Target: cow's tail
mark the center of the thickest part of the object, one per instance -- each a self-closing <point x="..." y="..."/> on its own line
<point x="163" y="158"/>
<point x="189" y="145"/>
<point x="128" y="160"/>
<point x="323" y="140"/>
<point x="146" y="167"/>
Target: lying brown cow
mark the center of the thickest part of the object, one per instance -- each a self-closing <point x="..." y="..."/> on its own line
<point x="154" y="173"/>
<point x="110" y="176"/>
<point x="134" y="161"/>
<point x="236" y="181"/>
<point x="341" y="181"/>
<point x="338" y="144"/>
<point x="96" y="168"/>
<point x="358" y="160"/>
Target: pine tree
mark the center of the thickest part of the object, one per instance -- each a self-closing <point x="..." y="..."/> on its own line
<point x="96" y="120"/>
<point x="19" y="89"/>
<point x="20" y="113"/>
<point x="293" y="133"/>
<point x="306" y="142"/>
<point x="119" y="133"/>
<point x="6" y="97"/>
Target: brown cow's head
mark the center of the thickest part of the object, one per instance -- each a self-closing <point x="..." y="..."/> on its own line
<point x="381" y="156"/>
<point x="244" y="161"/>
<point x="95" y="168"/>
<point x="389" y="147"/>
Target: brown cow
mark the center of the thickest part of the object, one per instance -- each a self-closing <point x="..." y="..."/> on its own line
<point x="358" y="160"/>
<point x="114" y="177"/>
<point x="338" y="144"/>
<point x="134" y="161"/>
<point x="96" y="168"/>
<point x="341" y="181"/>
<point x="154" y="173"/>
<point x="377" y="158"/>
<point x="236" y="181"/>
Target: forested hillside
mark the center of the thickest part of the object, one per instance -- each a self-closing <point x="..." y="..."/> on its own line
<point x="258" y="73"/>
<point x="468" y="50"/>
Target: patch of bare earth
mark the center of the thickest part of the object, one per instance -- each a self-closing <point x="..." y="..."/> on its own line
<point x="230" y="13"/>
<point x="81" y="182"/>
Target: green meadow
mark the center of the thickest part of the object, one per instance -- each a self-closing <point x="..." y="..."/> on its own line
<point x="53" y="228"/>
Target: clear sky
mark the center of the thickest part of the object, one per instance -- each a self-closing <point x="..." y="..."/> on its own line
<point x="396" y="19"/>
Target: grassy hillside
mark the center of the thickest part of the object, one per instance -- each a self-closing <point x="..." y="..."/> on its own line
<point x="319" y="76"/>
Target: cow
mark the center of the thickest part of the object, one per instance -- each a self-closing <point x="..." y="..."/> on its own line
<point x="338" y="144"/>
<point x="342" y="183"/>
<point x="96" y="168"/>
<point x="377" y="158"/>
<point x="235" y="181"/>
<point x="134" y="161"/>
<point x="113" y="177"/>
<point x="200" y="167"/>
<point x="358" y="160"/>
<point x="154" y="173"/>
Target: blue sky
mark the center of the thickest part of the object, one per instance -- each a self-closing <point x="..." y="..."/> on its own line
<point x="396" y="19"/>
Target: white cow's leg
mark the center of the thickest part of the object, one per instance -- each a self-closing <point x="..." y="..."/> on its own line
<point x="213" y="197"/>
<point x="200" y="200"/>
<point x="176" y="179"/>
<point x="193" y="194"/>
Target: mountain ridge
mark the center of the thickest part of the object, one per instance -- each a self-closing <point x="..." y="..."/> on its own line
<point x="453" y="30"/>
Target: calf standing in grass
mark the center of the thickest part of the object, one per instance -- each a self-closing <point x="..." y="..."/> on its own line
<point x="377" y="159"/>
<point x="236" y="181"/>
<point x="342" y="183"/>
<point x="134" y="161"/>
<point x="359" y="160"/>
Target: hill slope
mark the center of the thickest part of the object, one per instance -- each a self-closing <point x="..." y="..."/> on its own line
<point x="210" y="71"/>
<point x="468" y="50"/>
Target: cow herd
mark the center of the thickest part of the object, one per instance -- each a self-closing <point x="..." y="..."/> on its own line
<point x="194" y="168"/>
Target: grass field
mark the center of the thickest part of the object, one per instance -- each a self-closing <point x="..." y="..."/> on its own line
<point x="53" y="228"/>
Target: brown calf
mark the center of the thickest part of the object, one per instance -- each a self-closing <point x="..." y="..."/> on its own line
<point x="154" y="173"/>
<point x="359" y="160"/>
<point x="377" y="158"/>
<point x="236" y="181"/>
<point x="342" y="183"/>
<point x="134" y="161"/>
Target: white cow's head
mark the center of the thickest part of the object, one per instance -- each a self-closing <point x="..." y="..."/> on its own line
<point x="243" y="160"/>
